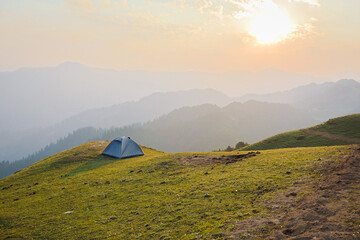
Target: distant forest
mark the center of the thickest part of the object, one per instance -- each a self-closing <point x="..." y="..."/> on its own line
<point x="75" y="138"/>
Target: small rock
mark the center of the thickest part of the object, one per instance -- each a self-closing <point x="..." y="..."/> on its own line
<point x="288" y="231"/>
<point x="68" y="212"/>
<point x="207" y="195"/>
<point x="293" y="194"/>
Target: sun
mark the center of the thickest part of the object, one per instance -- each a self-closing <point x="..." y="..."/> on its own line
<point x="270" y="24"/>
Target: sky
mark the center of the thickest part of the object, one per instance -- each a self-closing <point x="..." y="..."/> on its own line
<point x="307" y="36"/>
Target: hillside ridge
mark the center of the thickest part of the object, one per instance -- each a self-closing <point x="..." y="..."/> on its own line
<point x="332" y="136"/>
<point x="336" y="131"/>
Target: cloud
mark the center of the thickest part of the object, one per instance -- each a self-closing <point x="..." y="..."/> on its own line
<point x="91" y="6"/>
<point x="310" y="2"/>
<point x="247" y="8"/>
<point x="203" y="6"/>
<point x="80" y="5"/>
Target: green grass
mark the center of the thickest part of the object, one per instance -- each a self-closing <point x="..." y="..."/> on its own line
<point x="348" y="126"/>
<point x="293" y="139"/>
<point x="148" y="197"/>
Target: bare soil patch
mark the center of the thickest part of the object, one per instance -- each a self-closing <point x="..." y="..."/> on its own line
<point x="204" y="160"/>
<point x="99" y="143"/>
<point x="325" y="209"/>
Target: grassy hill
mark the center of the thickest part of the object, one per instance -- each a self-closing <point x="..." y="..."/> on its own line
<point x="337" y="131"/>
<point x="81" y="194"/>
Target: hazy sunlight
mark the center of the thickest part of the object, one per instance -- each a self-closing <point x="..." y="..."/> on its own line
<point x="270" y="25"/>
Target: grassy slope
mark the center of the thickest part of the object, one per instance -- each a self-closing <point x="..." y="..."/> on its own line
<point x="154" y="196"/>
<point x="348" y="126"/>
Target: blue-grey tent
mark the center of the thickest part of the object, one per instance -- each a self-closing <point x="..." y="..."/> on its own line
<point x="123" y="147"/>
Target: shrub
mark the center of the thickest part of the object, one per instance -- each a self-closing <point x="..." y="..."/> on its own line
<point x="300" y="137"/>
<point x="229" y="149"/>
<point x="241" y="144"/>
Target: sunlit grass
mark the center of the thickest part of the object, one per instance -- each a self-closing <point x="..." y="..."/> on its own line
<point x="347" y="126"/>
<point x="153" y="196"/>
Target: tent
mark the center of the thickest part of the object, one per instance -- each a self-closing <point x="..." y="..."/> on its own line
<point x="123" y="147"/>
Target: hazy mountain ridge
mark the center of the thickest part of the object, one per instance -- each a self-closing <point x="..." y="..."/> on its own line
<point x="324" y="101"/>
<point x="40" y="97"/>
<point x="143" y="110"/>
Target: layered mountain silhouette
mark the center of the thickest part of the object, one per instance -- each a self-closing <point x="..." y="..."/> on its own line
<point x="119" y="115"/>
<point x="324" y="101"/>
<point x="40" y="97"/>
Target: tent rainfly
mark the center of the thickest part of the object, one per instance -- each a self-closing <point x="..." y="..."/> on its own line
<point x="123" y="147"/>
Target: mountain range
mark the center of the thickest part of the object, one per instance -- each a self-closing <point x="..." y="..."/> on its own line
<point x="119" y="115"/>
<point x="40" y="97"/>
<point x="324" y="101"/>
<point x="37" y="113"/>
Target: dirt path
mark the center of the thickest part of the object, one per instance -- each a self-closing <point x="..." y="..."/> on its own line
<point x="205" y="160"/>
<point x="329" y="209"/>
<point x="331" y="136"/>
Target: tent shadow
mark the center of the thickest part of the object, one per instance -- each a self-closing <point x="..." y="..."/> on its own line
<point x="95" y="163"/>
